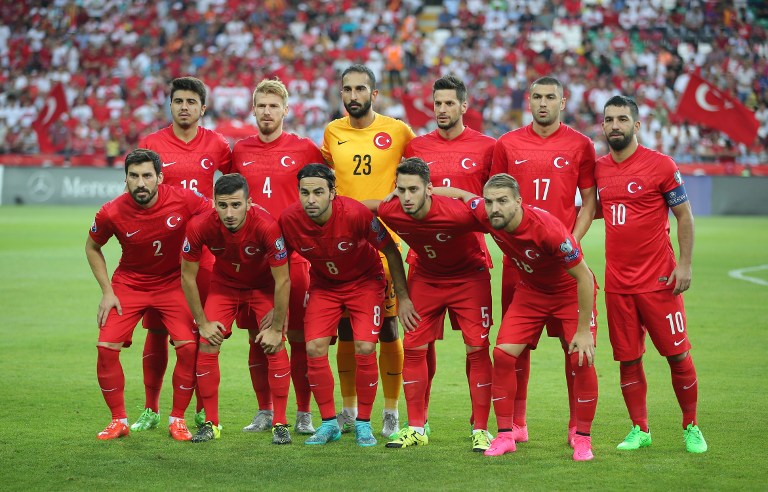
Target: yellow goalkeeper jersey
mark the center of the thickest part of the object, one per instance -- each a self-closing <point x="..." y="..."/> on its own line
<point x="365" y="159"/>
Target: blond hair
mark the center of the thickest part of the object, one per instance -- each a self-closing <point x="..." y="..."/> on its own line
<point x="272" y="86"/>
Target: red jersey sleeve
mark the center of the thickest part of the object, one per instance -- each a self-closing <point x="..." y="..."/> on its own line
<point x="102" y="228"/>
<point x="499" y="164"/>
<point x="587" y="167"/>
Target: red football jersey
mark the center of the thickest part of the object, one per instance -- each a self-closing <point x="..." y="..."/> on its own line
<point x="344" y="249"/>
<point x="150" y="238"/>
<point x="464" y="162"/>
<point x="244" y="257"/>
<point x="444" y="244"/>
<point x="271" y="168"/>
<point x="541" y="248"/>
<point x="638" y="251"/>
<point x="190" y="165"/>
<point x="548" y="170"/>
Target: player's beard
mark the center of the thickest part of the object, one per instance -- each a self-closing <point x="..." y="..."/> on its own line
<point x="268" y="127"/>
<point x="447" y="126"/>
<point x="417" y="207"/>
<point x="143" y="201"/>
<point x="619" y="145"/>
<point x="360" y="111"/>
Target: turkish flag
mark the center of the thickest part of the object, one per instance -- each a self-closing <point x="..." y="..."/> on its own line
<point x="55" y="106"/>
<point x="417" y="111"/>
<point x="706" y="105"/>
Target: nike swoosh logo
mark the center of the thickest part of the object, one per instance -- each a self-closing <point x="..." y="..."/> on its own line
<point x="373" y="384"/>
<point x="691" y="386"/>
<point x="518" y="370"/>
<point x="520" y="162"/>
<point x="312" y="385"/>
<point x="497" y="399"/>
<point x="393" y="373"/>
<point x="484" y="335"/>
<point x="129" y="234"/>
<point x="482" y="385"/>
<point x="409" y="382"/>
<point x="402" y="233"/>
<point x="303" y="250"/>
<point x="374" y="332"/>
<point x="283" y="375"/>
<point x="585" y="401"/>
<point x="248" y="163"/>
<point x="106" y="391"/>
<point x="148" y="355"/>
<point x="430" y="162"/>
<point x="628" y="384"/>
<point x="339" y="142"/>
<point x="203" y="374"/>
<point x="681" y="341"/>
<point x="254" y="365"/>
<point x="166" y="164"/>
<point x="216" y="249"/>
<point x="181" y="386"/>
<point x="389" y="306"/>
<point x="601" y="189"/>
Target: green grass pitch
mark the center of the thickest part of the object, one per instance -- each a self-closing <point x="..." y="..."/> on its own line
<point x="51" y="407"/>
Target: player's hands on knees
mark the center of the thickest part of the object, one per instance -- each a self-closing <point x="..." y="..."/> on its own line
<point x="681" y="277"/>
<point x="266" y="322"/>
<point x="270" y="340"/>
<point x="108" y="301"/>
<point x="583" y="344"/>
<point x="409" y="318"/>
<point x="213" y="332"/>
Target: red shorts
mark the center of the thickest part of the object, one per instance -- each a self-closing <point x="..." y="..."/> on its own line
<point x="169" y="304"/>
<point x="152" y="319"/>
<point x="468" y="302"/>
<point x="531" y="310"/>
<point x="299" y="272"/>
<point x="248" y="306"/>
<point x="362" y="299"/>
<point x="660" y="313"/>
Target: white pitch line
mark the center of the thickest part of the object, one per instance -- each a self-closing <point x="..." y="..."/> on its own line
<point x="740" y="274"/>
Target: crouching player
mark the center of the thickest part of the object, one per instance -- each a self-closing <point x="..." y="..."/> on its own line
<point x="250" y="275"/>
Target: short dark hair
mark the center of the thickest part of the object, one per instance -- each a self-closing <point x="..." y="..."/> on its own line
<point x="624" y="102"/>
<point x="547" y="80"/>
<point x="318" y="171"/>
<point x="140" y="156"/>
<point x="451" y="82"/>
<point x="504" y="180"/>
<point x="189" y="84"/>
<point x="414" y="166"/>
<point x="359" y="68"/>
<point x="229" y="184"/>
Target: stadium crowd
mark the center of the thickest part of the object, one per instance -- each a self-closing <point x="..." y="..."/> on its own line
<point x="115" y="59"/>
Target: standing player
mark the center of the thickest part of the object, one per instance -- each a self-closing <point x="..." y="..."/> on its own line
<point x="457" y="156"/>
<point x="191" y="155"/>
<point x="340" y="237"/>
<point x="448" y="272"/>
<point x="550" y="162"/>
<point x="250" y="280"/>
<point x="556" y="285"/>
<point x="149" y="223"/>
<point x="365" y="148"/>
<point x="643" y="283"/>
<point x="270" y="162"/>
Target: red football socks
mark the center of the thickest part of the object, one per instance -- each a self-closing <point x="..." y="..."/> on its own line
<point x="480" y="382"/>
<point x="686" y="387"/>
<point x="154" y="361"/>
<point x="504" y="388"/>
<point x="299" y="375"/>
<point x="321" y="384"/>
<point x="111" y="380"/>
<point x="367" y="382"/>
<point x="634" y="387"/>
<point x="208" y="378"/>
<point x="259" y="369"/>
<point x="183" y="378"/>
<point x="279" y="384"/>
<point x="522" y="373"/>
<point x="415" y="385"/>
<point x="585" y="394"/>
